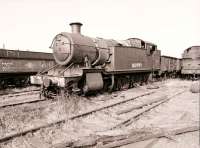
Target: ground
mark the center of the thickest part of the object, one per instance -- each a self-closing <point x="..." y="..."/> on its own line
<point x="180" y="110"/>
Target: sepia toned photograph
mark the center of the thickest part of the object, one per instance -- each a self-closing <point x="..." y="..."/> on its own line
<point x="99" y="74"/>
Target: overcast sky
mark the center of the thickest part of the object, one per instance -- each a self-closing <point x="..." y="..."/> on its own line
<point x="31" y="24"/>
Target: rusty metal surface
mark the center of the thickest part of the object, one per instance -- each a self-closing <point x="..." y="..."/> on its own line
<point x="69" y="47"/>
<point x="94" y="81"/>
<point x="133" y="42"/>
<point x="102" y="46"/>
<point x="156" y="59"/>
<point x="191" y="60"/>
<point x="4" y="53"/>
<point x="130" y="59"/>
<point x="169" y="64"/>
<point x="179" y="65"/>
<point x="23" y="65"/>
<point x="192" y="52"/>
<point x="191" y="66"/>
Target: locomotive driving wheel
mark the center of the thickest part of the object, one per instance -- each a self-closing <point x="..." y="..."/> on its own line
<point x="122" y="83"/>
<point x="3" y="84"/>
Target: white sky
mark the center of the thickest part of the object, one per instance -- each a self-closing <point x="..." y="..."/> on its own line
<point x="173" y="25"/>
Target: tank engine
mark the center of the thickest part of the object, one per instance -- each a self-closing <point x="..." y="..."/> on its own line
<point x="191" y="62"/>
<point x="86" y="64"/>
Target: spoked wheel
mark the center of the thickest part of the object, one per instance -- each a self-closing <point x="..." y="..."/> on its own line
<point x="3" y="84"/>
<point x="119" y="84"/>
<point x="44" y="92"/>
<point x="49" y="92"/>
<point x="26" y="81"/>
<point x="123" y="83"/>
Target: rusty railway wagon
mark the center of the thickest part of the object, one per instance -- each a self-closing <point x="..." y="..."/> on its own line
<point x="17" y="66"/>
<point x="191" y="63"/>
<point x="170" y="67"/>
<point x="86" y="64"/>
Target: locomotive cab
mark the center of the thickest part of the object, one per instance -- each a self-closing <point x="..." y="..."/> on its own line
<point x="150" y="47"/>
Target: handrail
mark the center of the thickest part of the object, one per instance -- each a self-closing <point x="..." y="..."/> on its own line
<point x="66" y="68"/>
<point x="54" y="66"/>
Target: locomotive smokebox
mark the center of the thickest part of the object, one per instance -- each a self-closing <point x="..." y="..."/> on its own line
<point x="76" y="27"/>
<point x="73" y="47"/>
<point x="79" y="49"/>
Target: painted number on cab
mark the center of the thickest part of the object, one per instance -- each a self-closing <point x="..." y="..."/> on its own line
<point x="136" y="65"/>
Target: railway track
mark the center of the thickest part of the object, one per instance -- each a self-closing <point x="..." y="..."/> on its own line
<point x="150" y="106"/>
<point x="86" y="113"/>
<point x="11" y="91"/>
<point x="15" y="94"/>
<point x="105" y="141"/>
<point x="19" y="98"/>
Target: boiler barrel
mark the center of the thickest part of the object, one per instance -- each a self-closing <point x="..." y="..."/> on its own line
<point x="70" y="47"/>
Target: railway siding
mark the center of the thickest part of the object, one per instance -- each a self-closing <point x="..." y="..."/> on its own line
<point x="97" y="116"/>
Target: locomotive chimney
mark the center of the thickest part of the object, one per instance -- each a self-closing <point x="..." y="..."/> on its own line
<point x="76" y="27"/>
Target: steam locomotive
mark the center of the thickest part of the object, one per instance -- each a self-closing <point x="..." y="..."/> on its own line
<point x="191" y="63"/>
<point x="86" y="64"/>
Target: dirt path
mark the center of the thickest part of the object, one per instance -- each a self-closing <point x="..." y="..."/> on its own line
<point x="183" y="109"/>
